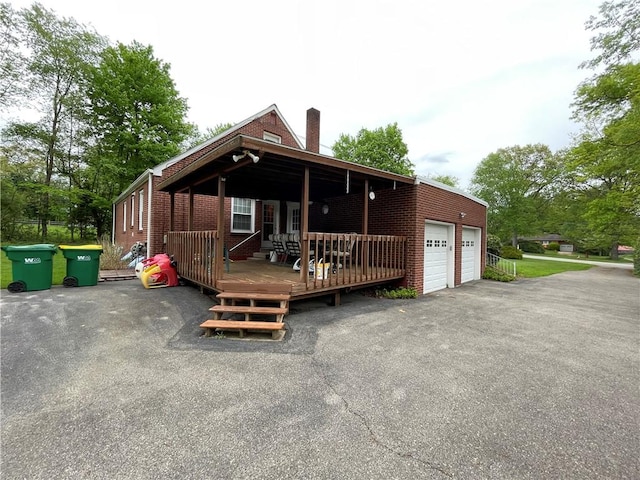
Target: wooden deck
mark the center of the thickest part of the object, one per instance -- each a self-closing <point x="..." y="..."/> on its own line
<point x="258" y="275"/>
<point x="351" y="261"/>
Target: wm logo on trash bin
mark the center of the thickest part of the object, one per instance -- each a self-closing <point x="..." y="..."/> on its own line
<point x="84" y="258"/>
<point x="32" y="260"/>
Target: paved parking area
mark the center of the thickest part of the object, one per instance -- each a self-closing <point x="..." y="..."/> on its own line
<point x="527" y="380"/>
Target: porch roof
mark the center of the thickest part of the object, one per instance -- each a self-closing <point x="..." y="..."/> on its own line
<point x="278" y="175"/>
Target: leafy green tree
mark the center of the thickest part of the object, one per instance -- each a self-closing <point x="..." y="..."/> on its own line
<point x="52" y="64"/>
<point x="518" y="183"/>
<point x="447" y="180"/>
<point x="197" y="137"/>
<point x="137" y="114"/>
<point x="12" y="59"/>
<point x="617" y="36"/>
<point x="382" y="148"/>
<point x="606" y="161"/>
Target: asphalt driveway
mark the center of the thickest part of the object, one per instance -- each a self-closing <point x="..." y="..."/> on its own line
<point x="527" y="380"/>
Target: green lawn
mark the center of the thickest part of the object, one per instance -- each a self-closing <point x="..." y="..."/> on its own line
<point x="530" y="267"/>
<point x="582" y="256"/>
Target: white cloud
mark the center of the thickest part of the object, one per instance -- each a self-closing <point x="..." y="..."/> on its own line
<point x="462" y="79"/>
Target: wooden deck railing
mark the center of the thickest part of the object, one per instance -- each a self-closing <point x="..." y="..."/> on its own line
<point x="339" y="259"/>
<point x="349" y="259"/>
<point x="194" y="253"/>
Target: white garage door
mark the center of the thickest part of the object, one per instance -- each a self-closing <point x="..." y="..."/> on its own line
<point x="470" y="255"/>
<point x="436" y="257"/>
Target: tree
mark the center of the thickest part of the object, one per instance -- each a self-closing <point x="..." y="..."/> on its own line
<point x="618" y="32"/>
<point x="197" y="137"/>
<point x="382" y="148"/>
<point x="446" y="179"/>
<point x="12" y="59"/>
<point x="136" y="113"/>
<point x="518" y="183"/>
<point x="52" y="66"/>
<point x="606" y="161"/>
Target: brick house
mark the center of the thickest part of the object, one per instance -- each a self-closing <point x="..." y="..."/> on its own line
<point x="384" y="227"/>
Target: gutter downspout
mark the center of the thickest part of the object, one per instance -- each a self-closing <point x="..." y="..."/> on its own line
<point x="113" y="224"/>
<point x="149" y="197"/>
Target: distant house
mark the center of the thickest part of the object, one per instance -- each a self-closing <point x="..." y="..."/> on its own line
<point x="236" y="191"/>
<point x="545" y="240"/>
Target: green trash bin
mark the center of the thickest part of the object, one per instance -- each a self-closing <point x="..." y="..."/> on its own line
<point x="31" y="266"/>
<point x="83" y="264"/>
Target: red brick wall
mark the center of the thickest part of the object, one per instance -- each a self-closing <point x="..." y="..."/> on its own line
<point x="131" y="234"/>
<point x="441" y="205"/>
<point x="403" y="212"/>
<point x="269" y="122"/>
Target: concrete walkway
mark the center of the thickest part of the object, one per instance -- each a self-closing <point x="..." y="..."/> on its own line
<point x="532" y="379"/>
<point x="623" y="266"/>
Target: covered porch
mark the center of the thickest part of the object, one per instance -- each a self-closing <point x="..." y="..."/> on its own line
<point x="337" y="252"/>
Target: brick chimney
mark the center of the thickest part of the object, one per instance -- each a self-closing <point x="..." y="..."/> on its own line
<point x="313" y="130"/>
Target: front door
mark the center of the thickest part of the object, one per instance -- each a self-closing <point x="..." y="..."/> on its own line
<point x="270" y="221"/>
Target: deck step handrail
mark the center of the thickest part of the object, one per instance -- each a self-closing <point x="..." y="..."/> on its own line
<point x="503" y="265"/>
<point x="243" y="241"/>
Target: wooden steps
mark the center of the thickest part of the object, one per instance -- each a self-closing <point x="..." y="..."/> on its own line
<point x="248" y="304"/>
<point x="210" y="326"/>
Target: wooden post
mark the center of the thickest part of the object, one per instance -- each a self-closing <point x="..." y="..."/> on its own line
<point x="172" y="210"/>
<point x="219" y="258"/>
<point x="190" y="228"/>
<point x="304" y="228"/>
<point x="365" y="230"/>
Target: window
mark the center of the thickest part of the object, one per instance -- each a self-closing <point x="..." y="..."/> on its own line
<point x="124" y="216"/>
<point x="293" y="217"/>
<point x="429" y="243"/>
<point x="140" y="208"/>
<point x="271" y="137"/>
<point x="133" y="208"/>
<point x="243" y="212"/>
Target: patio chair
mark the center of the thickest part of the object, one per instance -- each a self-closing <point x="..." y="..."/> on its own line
<point x="343" y="249"/>
<point x="293" y="246"/>
<point x="278" y="247"/>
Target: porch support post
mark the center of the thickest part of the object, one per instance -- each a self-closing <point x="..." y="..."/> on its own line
<point x="172" y="210"/>
<point x="365" y="229"/>
<point x="219" y="260"/>
<point x="304" y="227"/>
<point x="190" y="210"/>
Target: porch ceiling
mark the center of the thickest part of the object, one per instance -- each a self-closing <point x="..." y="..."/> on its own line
<point x="278" y="175"/>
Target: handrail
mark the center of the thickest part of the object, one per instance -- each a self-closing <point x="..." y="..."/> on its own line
<point x="243" y="241"/>
<point x="503" y="265"/>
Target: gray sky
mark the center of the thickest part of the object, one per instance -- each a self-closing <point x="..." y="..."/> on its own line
<point x="461" y="78"/>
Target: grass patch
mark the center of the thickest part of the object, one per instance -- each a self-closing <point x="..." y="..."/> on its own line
<point x="530" y="267"/>
<point x="397" y="293"/>
<point x="582" y="256"/>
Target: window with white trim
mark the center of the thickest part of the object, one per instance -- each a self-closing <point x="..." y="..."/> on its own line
<point x="271" y="137"/>
<point x="124" y="216"/>
<point x="242" y="215"/>
<point x="293" y="217"/>
<point x="133" y="208"/>
<point x="140" y="209"/>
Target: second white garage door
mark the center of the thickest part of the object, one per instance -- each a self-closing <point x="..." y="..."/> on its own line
<point x="437" y="257"/>
<point x="470" y="266"/>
